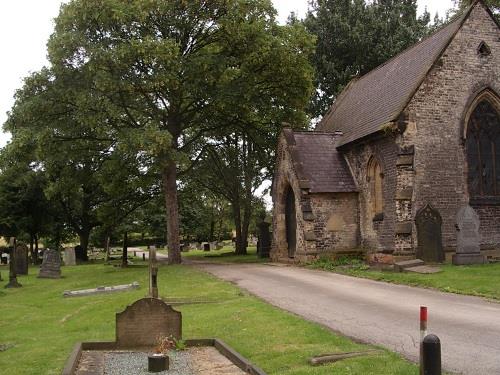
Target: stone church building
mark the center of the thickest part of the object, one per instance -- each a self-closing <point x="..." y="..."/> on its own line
<point x="401" y="150"/>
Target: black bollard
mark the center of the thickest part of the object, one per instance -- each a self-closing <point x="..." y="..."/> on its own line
<point x="431" y="355"/>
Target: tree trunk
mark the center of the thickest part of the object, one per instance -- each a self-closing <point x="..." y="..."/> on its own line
<point x="84" y="243"/>
<point x="247" y="214"/>
<point x="169" y="179"/>
<point x="106" y="248"/>
<point x="36" y="249"/>
<point x="240" y="240"/>
<point x="125" y="250"/>
<point x="32" y="249"/>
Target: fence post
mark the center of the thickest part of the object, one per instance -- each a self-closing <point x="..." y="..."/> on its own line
<point x="431" y="355"/>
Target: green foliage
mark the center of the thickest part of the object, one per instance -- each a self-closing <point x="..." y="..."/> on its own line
<point x="353" y="37"/>
<point x="170" y="76"/>
<point x="494" y="5"/>
<point x="339" y="263"/>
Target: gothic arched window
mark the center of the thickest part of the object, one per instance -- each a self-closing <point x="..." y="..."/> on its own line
<point x="376" y="182"/>
<point x="483" y="150"/>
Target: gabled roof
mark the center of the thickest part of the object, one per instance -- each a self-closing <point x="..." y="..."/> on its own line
<point x="379" y="97"/>
<point x="317" y="163"/>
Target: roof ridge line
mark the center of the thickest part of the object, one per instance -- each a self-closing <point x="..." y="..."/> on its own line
<point x="452" y="20"/>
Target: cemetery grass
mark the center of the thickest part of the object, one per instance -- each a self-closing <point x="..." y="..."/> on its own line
<point x="476" y="280"/>
<point x="225" y="255"/>
<point x="43" y="327"/>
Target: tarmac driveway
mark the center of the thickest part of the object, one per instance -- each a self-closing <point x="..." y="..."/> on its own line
<point x="380" y="313"/>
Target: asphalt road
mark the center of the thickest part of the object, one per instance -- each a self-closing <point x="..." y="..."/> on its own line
<point x="380" y="313"/>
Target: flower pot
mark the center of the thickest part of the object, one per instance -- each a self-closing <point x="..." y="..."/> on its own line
<point x="158" y="362"/>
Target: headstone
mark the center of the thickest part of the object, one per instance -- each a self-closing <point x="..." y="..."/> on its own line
<point x="206" y="246"/>
<point x="80" y="254"/>
<point x="4" y="258"/>
<point x="51" y="265"/>
<point x="264" y="243"/>
<point x="21" y="255"/>
<point x="69" y="256"/>
<point x="199" y="246"/>
<point x="430" y="243"/>
<point x="144" y="321"/>
<point x="153" y="273"/>
<point x="13" y="283"/>
<point x="468" y="238"/>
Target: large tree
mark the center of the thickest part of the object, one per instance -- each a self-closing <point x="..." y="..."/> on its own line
<point x="355" y="36"/>
<point x="493" y="4"/>
<point x="168" y="68"/>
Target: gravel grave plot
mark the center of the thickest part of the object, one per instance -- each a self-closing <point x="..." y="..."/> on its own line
<point x="119" y="363"/>
<point x="193" y="361"/>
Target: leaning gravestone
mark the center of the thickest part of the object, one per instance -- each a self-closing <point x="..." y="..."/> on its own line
<point x="144" y="321"/>
<point x="69" y="256"/>
<point x="21" y="255"/>
<point x="51" y="265"/>
<point x="468" y="238"/>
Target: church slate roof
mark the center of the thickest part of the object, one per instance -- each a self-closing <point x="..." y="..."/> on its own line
<point x="317" y="163"/>
<point x="378" y="98"/>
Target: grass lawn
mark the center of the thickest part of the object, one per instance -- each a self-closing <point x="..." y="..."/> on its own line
<point x="42" y="326"/>
<point x="225" y="255"/>
<point x="478" y="280"/>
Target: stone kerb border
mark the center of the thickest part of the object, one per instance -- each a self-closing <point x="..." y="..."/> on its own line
<point x="228" y="352"/>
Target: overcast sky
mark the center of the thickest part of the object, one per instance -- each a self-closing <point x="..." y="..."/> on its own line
<point x="25" y="26"/>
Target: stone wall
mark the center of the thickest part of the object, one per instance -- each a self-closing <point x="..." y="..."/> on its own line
<point x="284" y="178"/>
<point x="336" y="221"/>
<point x="375" y="235"/>
<point x="435" y="126"/>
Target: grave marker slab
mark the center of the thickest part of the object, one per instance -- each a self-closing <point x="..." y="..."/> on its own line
<point x="51" y="265"/>
<point x="430" y="244"/>
<point x="468" y="238"/>
<point x="21" y="255"/>
<point x="144" y="321"/>
<point x="69" y="256"/>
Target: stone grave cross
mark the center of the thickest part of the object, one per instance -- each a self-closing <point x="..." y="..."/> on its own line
<point x="153" y="273"/>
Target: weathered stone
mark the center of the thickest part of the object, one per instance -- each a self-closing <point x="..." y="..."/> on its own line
<point x="405" y="194"/>
<point x="143" y="322"/>
<point x="21" y="255"/>
<point x="51" y="265"/>
<point x="404" y="228"/>
<point x="309" y="236"/>
<point x="468" y="238"/>
<point x="430" y="246"/>
<point x="69" y="256"/>
<point x="401" y="266"/>
<point x="405" y="160"/>
<point x="100" y="290"/>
